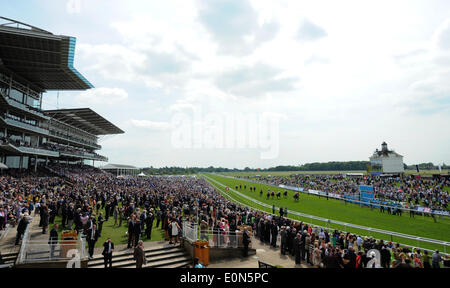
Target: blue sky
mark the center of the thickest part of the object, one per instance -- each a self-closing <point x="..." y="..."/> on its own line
<point x="337" y="77"/>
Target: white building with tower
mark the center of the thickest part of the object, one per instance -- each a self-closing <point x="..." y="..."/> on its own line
<point x="386" y="161"/>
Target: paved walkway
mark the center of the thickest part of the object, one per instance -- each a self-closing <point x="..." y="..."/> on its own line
<point x="8" y="240"/>
<point x="264" y="253"/>
<point x="8" y="237"/>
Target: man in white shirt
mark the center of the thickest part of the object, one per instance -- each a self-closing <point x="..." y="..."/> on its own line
<point x="358" y="242"/>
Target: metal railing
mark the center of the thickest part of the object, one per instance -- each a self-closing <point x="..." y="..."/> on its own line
<point x="190" y="231"/>
<point x="74" y="140"/>
<point x="216" y="238"/>
<point x="42" y="251"/>
<point x="222" y="239"/>
<point x="26" y="126"/>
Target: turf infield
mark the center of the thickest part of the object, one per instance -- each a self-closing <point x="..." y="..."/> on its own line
<point x="341" y="211"/>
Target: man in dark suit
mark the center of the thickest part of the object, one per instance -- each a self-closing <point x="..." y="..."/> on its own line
<point x="245" y="241"/>
<point x="283" y="235"/>
<point x="131" y="228"/>
<point x="108" y="248"/>
<point x="23" y="223"/>
<point x="107" y="211"/>
<point x="297" y="248"/>
<point x="64" y="215"/>
<point x="274" y="233"/>
<point x="148" y="225"/>
<point x="137" y="232"/>
<point x="92" y="237"/>
<point x="53" y="240"/>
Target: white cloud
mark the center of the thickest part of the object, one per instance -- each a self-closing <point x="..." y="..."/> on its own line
<point x="309" y="31"/>
<point x="255" y="81"/>
<point x="103" y="96"/>
<point x="235" y="25"/>
<point x="442" y="35"/>
<point x="341" y="74"/>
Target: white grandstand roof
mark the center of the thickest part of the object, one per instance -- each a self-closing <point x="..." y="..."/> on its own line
<point x="118" y="166"/>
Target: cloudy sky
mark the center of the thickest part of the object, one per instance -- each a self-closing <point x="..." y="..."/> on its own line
<point x="326" y="80"/>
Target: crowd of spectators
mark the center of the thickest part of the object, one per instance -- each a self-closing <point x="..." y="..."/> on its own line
<point x="322" y="248"/>
<point x="140" y="202"/>
<point x="430" y="193"/>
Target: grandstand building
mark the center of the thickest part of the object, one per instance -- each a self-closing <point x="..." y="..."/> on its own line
<point x="33" y="61"/>
<point x="121" y="170"/>
<point x="386" y="161"/>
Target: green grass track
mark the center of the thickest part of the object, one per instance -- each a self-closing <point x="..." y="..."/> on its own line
<point x="339" y="211"/>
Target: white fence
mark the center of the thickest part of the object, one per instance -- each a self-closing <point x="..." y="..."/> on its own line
<point x="218" y="239"/>
<point x="224" y="239"/>
<point x="42" y="251"/>
<point x="190" y="231"/>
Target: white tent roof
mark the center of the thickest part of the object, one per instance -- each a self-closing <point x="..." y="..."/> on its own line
<point x="118" y="166"/>
<point x="3" y="166"/>
<point x="142" y="174"/>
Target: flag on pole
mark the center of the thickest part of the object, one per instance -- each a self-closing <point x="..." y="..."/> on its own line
<point x="417" y="168"/>
<point x="440" y="169"/>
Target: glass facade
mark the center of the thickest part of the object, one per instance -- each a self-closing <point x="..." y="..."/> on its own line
<point x="13" y="162"/>
<point x="16" y="95"/>
<point x="4" y="88"/>
<point x="32" y="102"/>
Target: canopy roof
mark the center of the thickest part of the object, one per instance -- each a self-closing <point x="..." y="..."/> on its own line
<point x="86" y="120"/>
<point x="43" y="59"/>
<point x="118" y="166"/>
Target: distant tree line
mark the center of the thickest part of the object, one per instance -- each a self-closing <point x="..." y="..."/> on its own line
<point x="328" y="166"/>
<point x="426" y="166"/>
<point x="185" y="171"/>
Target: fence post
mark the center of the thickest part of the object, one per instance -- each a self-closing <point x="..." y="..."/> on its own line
<point x="82" y="247"/>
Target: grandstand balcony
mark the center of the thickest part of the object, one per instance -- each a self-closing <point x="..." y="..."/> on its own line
<point x="55" y="135"/>
<point x="84" y="155"/>
<point x="28" y="150"/>
<point x="23" y="126"/>
<point x="13" y="104"/>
